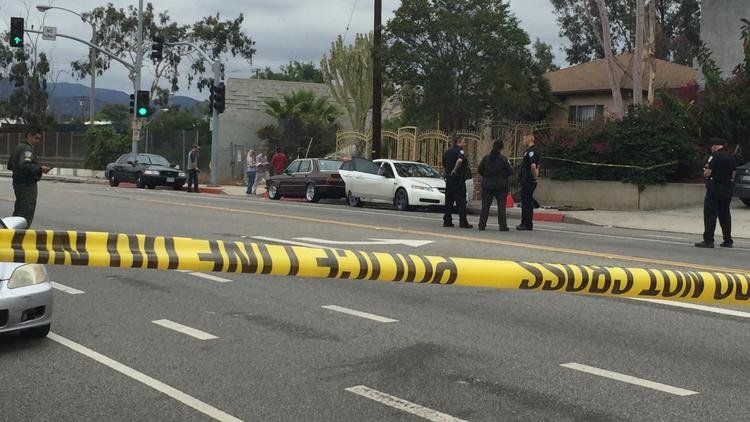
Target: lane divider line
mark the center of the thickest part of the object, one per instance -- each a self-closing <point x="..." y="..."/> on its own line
<point x="184" y="329"/>
<point x="629" y="379"/>
<point x="66" y="289"/>
<point x="157" y="385"/>
<point x="403" y="405"/>
<point x="360" y="314"/>
<point x="211" y="277"/>
<point x="696" y="307"/>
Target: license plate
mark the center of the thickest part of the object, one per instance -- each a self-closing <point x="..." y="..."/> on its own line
<point x="170" y="179"/>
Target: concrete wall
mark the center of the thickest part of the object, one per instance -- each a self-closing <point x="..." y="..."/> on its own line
<point x="245" y="114"/>
<point x="720" y="30"/>
<point x="617" y="195"/>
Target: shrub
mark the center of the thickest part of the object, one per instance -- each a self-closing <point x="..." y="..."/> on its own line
<point x="104" y="145"/>
<point x="644" y="138"/>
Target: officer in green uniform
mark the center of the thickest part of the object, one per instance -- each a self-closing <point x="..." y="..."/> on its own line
<point x="26" y="173"/>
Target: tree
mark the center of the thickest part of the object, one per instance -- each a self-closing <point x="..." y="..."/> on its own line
<point x="117" y="114"/>
<point x="116" y="29"/>
<point x="614" y="80"/>
<point x="301" y="116"/>
<point x="293" y="72"/>
<point x="348" y="74"/>
<point x="459" y="59"/>
<point x="544" y="56"/>
<point x="677" y="28"/>
<point x="27" y="71"/>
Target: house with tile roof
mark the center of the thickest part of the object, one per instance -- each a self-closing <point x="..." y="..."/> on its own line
<point x="583" y="91"/>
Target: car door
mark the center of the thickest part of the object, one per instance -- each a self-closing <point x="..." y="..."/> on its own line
<point x="284" y="180"/>
<point x="350" y="176"/>
<point x="119" y="165"/>
<point x="299" y="179"/>
<point x="384" y="185"/>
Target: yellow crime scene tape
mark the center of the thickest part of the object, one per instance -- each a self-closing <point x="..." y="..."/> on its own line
<point x="587" y="163"/>
<point x="96" y="249"/>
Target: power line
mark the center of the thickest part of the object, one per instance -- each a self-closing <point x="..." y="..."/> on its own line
<point x="349" y="24"/>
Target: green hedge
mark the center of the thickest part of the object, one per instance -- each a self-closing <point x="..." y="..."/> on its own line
<point x="644" y="138"/>
<point x="104" y="145"/>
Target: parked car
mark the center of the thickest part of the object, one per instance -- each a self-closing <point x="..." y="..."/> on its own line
<point x="742" y="183"/>
<point x="149" y="170"/>
<point x="309" y="178"/>
<point x="25" y="294"/>
<point x="404" y="184"/>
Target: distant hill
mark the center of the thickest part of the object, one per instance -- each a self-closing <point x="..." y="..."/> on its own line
<point x="71" y="100"/>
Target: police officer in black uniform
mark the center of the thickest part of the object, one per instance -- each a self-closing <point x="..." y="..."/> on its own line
<point x="529" y="174"/>
<point x="26" y="173"/>
<point x="456" y="167"/>
<point x="719" y="171"/>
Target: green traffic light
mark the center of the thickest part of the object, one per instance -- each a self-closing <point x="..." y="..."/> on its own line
<point x="142" y="111"/>
<point x="17" y="40"/>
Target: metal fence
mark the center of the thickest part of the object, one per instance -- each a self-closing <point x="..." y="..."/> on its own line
<point x="59" y="149"/>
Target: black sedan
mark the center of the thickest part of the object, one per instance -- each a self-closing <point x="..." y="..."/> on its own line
<point x="309" y="178"/>
<point x="149" y="170"/>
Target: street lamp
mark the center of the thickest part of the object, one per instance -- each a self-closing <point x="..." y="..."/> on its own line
<point x="92" y="97"/>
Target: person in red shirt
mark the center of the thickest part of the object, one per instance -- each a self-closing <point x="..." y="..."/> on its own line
<point x="278" y="161"/>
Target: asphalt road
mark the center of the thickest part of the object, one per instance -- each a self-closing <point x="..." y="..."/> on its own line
<point x="288" y="349"/>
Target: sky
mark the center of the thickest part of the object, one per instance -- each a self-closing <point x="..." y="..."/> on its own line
<point x="283" y="30"/>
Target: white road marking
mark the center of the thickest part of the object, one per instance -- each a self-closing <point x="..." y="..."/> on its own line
<point x="184" y="329"/>
<point x="407" y="242"/>
<point x="66" y="289"/>
<point x="211" y="277"/>
<point x="358" y="313"/>
<point x="183" y="271"/>
<point x="403" y="405"/>
<point x="288" y="242"/>
<point x="696" y="307"/>
<point x="157" y="385"/>
<point x="629" y="379"/>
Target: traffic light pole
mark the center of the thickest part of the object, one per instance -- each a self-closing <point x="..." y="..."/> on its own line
<point x="216" y="67"/>
<point x="137" y="81"/>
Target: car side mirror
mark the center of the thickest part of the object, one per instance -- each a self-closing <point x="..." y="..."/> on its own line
<point x="174" y="166"/>
<point x="287" y="172"/>
<point x="131" y="163"/>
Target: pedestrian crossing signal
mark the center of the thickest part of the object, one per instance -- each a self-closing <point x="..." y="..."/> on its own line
<point x="16" y="32"/>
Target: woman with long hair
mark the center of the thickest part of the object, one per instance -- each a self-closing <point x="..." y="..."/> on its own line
<point x="251" y="167"/>
<point x="495" y="170"/>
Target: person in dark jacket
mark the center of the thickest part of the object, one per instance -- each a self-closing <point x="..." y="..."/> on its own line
<point x="495" y="170"/>
<point x="719" y="171"/>
<point x="456" y="167"/>
<point x="26" y="173"/>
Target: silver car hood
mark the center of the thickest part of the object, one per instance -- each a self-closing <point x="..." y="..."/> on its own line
<point x="429" y="181"/>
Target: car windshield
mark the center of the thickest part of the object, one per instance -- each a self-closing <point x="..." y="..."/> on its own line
<point x="329" y="165"/>
<point x="156" y="160"/>
<point x="416" y="170"/>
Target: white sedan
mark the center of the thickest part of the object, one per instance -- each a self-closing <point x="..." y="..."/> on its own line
<point x="405" y="184"/>
<point x="25" y="294"/>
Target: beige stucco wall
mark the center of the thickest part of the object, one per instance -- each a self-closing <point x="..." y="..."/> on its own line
<point x="560" y="113"/>
<point x="245" y="115"/>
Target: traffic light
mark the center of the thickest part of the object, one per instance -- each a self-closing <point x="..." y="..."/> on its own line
<point x="157" y="47"/>
<point x="132" y="104"/>
<point x="16" y="32"/>
<point x="218" y="97"/>
<point x="142" y="104"/>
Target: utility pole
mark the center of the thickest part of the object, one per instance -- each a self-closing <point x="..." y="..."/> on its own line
<point x="215" y="129"/>
<point x="137" y="80"/>
<point x="377" y="84"/>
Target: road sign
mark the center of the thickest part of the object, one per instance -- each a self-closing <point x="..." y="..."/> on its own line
<point x="49" y="33"/>
<point x="136" y="133"/>
<point x="137" y="124"/>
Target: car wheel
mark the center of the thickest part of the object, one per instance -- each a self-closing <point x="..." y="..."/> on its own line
<point x="177" y="186"/>
<point x="353" y="201"/>
<point x="36" y="332"/>
<point x="311" y="193"/>
<point x="273" y="191"/>
<point x="139" y="182"/>
<point x="151" y="186"/>
<point x="401" y="200"/>
<point x="745" y="201"/>
<point x="113" y="180"/>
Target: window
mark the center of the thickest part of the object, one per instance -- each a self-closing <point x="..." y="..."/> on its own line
<point x="416" y="170"/>
<point x="305" y="166"/>
<point x="386" y="171"/>
<point x="582" y="113"/>
<point x="293" y="167"/>
<point x="125" y="158"/>
<point x="329" y="165"/>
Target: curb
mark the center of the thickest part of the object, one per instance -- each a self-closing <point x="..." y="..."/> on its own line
<point x="552" y="217"/>
<point x="201" y="189"/>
